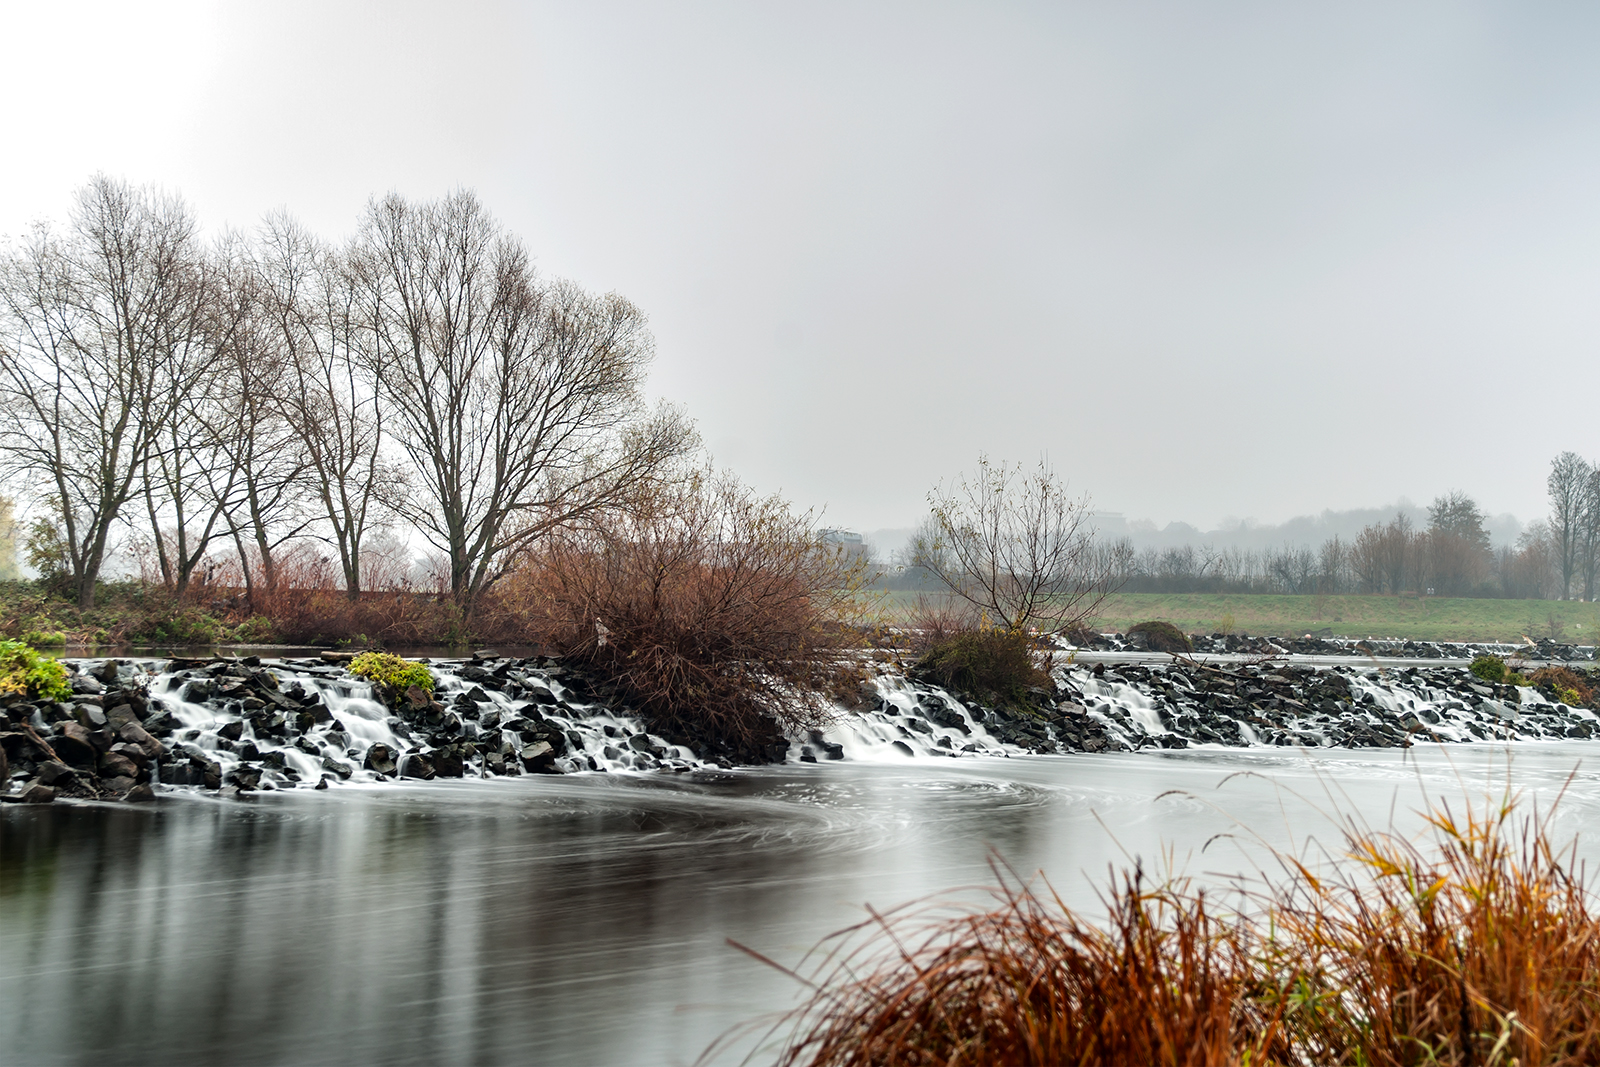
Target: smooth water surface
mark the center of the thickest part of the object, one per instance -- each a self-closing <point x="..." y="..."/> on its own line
<point x="584" y="919"/>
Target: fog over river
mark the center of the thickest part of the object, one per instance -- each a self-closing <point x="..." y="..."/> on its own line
<point x="584" y="919"/>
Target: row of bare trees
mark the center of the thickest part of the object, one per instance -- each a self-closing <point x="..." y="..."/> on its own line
<point x="254" y="391"/>
<point x="1452" y="556"/>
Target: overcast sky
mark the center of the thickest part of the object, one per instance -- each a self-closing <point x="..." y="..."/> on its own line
<point x="1215" y="259"/>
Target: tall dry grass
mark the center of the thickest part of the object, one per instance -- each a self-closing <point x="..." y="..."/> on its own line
<point x="1478" y="946"/>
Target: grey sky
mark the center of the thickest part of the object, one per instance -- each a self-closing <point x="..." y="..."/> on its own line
<point x="1215" y="259"/>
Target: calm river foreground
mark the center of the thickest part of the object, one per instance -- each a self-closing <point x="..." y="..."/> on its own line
<point x="583" y="919"/>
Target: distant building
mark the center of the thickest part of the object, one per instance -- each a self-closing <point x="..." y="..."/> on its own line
<point x="849" y="542"/>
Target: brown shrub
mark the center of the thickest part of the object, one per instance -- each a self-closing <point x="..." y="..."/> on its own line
<point x="714" y="612"/>
<point x="1565" y="681"/>
<point x="1162" y="637"/>
<point x="986" y="664"/>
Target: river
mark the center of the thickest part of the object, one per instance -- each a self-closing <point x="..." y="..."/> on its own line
<point x="585" y="919"/>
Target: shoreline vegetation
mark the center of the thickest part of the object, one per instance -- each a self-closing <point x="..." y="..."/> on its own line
<point x="1479" y="945"/>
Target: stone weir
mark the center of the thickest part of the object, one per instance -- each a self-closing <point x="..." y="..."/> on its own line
<point x="134" y="728"/>
<point x="1184" y="703"/>
<point x="243" y="725"/>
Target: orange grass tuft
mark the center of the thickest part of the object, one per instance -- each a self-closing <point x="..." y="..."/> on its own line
<point x="1480" y="949"/>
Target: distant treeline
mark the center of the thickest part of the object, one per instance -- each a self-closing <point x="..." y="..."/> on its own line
<point x="1554" y="558"/>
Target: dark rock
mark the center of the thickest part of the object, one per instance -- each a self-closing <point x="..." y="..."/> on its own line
<point x="541" y="694"/>
<point x="162" y="723"/>
<point x="231" y="731"/>
<point x="246" y="778"/>
<point x="135" y="734"/>
<point x="117" y="765"/>
<point x="335" y="766"/>
<point x="417" y="765"/>
<point x="74" y="745"/>
<point x="119" y="716"/>
<point x="539" y="757"/>
<point x="38" y="794"/>
<point x="140" y="794"/>
<point x="117" y="786"/>
<point x="84" y="684"/>
<point x="448" y="766"/>
<point x="380" y="758"/>
<point x="642" y="743"/>
<point x="90" y="717"/>
<point x="53" y="773"/>
<point x="106" y="673"/>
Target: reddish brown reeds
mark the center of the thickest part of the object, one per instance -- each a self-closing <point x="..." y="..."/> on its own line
<point x="1477" y="947"/>
<point x="1166" y="981"/>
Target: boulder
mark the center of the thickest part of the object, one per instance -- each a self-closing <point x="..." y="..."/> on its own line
<point x="417" y="765"/>
<point x="162" y="723"/>
<point x="117" y="786"/>
<point x="446" y="765"/>
<point x="53" y="773"/>
<point x="134" y="734"/>
<point x="380" y="759"/>
<point x="539" y="757"/>
<point x="73" y="744"/>
<point x="38" y="794"/>
<point x="89" y="717"/>
<point x="231" y="731"/>
<point x="140" y="794"/>
<point x="247" y="778"/>
<point x="106" y="673"/>
<point x="119" y="716"/>
<point x="118" y="765"/>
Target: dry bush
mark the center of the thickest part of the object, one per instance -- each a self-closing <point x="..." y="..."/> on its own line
<point x="1163" y="637"/>
<point x="308" y="605"/>
<point x="1479" y="950"/>
<point x="1568" y="684"/>
<point x="715" y="613"/>
<point x="987" y="664"/>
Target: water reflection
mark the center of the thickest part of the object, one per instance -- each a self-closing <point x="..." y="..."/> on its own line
<point x="583" y="919"/>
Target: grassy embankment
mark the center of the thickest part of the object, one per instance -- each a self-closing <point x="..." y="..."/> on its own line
<point x="1418" y="618"/>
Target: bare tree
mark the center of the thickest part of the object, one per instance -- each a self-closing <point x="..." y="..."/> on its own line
<point x="1017" y="548"/>
<point x="187" y="477"/>
<point x="1567" y="484"/>
<point x="327" y="391"/>
<point x="91" y="317"/>
<point x="517" y="402"/>
<point x="1457" y="546"/>
<point x="257" y="477"/>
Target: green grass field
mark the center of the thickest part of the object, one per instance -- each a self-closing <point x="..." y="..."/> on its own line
<point x="1417" y="618"/>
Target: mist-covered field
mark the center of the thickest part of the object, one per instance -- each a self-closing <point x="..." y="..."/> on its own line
<point x="1418" y="618"/>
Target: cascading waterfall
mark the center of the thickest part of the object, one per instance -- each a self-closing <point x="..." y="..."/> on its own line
<point x="244" y="725"/>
